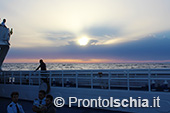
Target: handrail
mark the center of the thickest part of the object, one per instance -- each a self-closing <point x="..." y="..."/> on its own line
<point x="110" y="80"/>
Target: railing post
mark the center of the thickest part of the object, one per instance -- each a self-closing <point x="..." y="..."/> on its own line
<point x="20" y="77"/>
<point x="62" y="78"/>
<point x="91" y="79"/>
<point x="50" y="78"/>
<point x="39" y="78"/>
<point x="76" y="79"/>
<point x="12" y="77"/>
<point x="149" y="80"/>
<point x="128" y="84"/>
<point x="29" y="78"/>
<point x="109" y="79"/>
<point x="4" y="78"/>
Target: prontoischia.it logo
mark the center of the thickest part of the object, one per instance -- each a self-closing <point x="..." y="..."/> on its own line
<point x="111" y="102"/>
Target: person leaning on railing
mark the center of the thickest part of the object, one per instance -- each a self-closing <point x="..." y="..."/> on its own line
<point x="42" y="66"/>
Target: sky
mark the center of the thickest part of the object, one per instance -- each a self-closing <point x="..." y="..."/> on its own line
<point x="88" y="31"/>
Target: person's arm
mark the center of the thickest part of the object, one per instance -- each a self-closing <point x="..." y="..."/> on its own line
<point x="9" y="109"/>
<point x="36" y="109"/>
<point x="11" y="31"/>
<point x="38" y="67"/>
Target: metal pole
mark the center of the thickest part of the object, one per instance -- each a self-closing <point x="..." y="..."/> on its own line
<point x="39" y="78"/>
<point x="62" y="79"/>
<point x="4" y="78"/>
<point x="91" y="79"/>
<point x="12" y="76"/>
<point x="50" y="78"/>
<point x="76" y="79"/>
<point x="29" y="77"/>
<point x="128" y="84"/>
<point x="109" y="79"/>
<point x="149" y="80"/>
<point x="20" y="77"/>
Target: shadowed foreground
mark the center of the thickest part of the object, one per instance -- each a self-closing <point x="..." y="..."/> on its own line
<point x="27" y="106"/>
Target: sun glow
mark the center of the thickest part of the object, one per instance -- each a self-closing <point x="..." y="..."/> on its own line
<point x="83" y="41"/>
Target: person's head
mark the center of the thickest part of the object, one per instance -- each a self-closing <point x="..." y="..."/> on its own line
<point x="14" y="96"/>
<point x="49" y="99"/>
<point x="41" y="61"/>
<point x="4" y="20"/>
<point x="41" y="94"/>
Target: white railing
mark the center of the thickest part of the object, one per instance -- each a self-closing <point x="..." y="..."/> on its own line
<point x="124" y="79"/>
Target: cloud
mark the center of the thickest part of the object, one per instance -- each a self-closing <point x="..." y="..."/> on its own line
<point x="116" y="29"/>
<point x="103" y="30"/>
<point x="150" y="48"/>
<point x="122" y="21"/>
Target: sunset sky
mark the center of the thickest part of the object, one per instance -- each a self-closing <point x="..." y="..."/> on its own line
<point x="88" y="31"/>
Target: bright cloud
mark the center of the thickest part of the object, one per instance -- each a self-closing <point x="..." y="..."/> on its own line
<point x="134" y="19"/>
<point x="60" y="23"/>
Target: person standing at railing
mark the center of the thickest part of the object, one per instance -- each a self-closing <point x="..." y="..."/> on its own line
<point x="42" y="66"/>
<point x="43" y="70"/>
<point x="14" y="107"/>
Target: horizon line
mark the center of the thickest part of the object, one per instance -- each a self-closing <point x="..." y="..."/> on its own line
<point x="25" y="60"/>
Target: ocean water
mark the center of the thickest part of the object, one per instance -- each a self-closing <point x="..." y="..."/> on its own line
<point x="88" y="66"/>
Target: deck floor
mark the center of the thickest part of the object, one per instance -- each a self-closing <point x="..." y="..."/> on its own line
<point x="27" y="106"/>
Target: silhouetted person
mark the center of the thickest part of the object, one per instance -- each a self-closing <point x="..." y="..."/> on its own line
<point x="5" y="34"/>
<point x="14" y="107"/>
<point x="3" y="23"/>
<point x="39" y="104"/>
<point x="49" y="107"/>
<point x="42" y="66"/>
<point x="43" y="71"/>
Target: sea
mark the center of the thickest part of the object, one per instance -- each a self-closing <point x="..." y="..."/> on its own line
<point x="84" y="66"/>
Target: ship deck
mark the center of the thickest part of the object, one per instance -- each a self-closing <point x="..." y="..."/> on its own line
<point x="89" y="84"/>
<point x="27" y="106"/>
